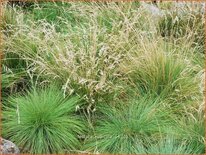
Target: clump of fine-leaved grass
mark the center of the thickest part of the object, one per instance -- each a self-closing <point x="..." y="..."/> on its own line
<point x="143" y="126"/>
<point x="161" y="72"/>
<point x="170" y="145"/>
<point x="127" y="126"/>
<point x="43" y="121"/>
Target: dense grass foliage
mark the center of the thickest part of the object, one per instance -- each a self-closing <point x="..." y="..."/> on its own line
<point x="138" y="68"/>
<point x="42" y="121"/>
<point x="144" y="125"/>
<point x="163" y="74"/>
<point x="122" y="129"/>
<point x="173" y="146"/>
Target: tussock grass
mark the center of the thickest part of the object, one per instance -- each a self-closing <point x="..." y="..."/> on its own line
<point x="43" y="122"/>
<point x="163" y="73"/>
<point x="171" y="145"/>
<point x="122" y="129"/>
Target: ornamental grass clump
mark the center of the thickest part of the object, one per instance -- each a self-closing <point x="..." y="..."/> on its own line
<point x="171" y="145"/>
<point x="120" y="128"/>
<point x="162" y="73"/>
<point x="43" y="121"/>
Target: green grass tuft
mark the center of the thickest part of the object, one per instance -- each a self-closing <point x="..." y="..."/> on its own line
<point x="170" y="145"/>
<point x="43" y="121"/>
<point x="122" y="128"/>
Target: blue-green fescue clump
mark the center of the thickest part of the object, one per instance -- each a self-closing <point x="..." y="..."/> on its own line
<point x="170" y="145"/>
<point x="125" y="128"/>
<point x="42" y="121"/>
